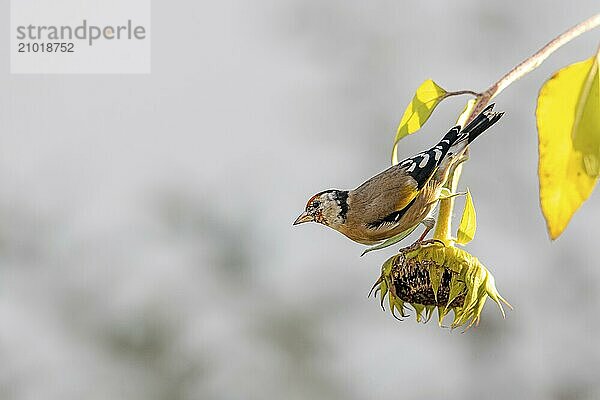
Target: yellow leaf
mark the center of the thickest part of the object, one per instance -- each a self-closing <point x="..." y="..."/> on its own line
<point x="468" y="222"/>
<point x="427" y="97"/>
<point x="586" y="130"/>
<point x="568" y="120"/>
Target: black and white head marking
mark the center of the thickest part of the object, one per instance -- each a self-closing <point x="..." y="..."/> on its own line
<point x="329" y="207"/>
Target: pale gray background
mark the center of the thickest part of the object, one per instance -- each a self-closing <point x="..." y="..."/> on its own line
<point x="146" y="246"/>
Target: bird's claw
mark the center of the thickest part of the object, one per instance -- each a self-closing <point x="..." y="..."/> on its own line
<point x="431" y="241"/>
<point x="421" y="243"/>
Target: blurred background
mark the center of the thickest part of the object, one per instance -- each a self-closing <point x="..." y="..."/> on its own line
<point x="146" y="245"/>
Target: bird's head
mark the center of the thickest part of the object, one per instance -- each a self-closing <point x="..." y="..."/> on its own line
<point x="328" y="208"/>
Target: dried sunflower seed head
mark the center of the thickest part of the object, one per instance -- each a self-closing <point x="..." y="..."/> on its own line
<point x="429" y="275"/>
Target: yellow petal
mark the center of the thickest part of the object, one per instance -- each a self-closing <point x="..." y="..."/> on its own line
<point x="427" y="97"/>
<point x="568" y="120"/>
<point x="468" y="222"/>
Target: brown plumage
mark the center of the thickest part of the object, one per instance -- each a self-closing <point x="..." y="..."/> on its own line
<point x="397" y="190"/>
<point x="399" y="198"/>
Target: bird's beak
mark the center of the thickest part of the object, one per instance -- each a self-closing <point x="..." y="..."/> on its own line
<point x="304" y="217"/>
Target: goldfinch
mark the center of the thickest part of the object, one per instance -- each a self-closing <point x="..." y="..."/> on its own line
<point x="401" y="197"/>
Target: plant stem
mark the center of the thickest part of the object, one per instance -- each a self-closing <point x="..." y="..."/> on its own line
<point x="460" y="92"/>
<point x="443" y="228"/>
<point x="533" y="62"/>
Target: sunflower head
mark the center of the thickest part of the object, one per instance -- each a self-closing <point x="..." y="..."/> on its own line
<point x="430" y="275"/>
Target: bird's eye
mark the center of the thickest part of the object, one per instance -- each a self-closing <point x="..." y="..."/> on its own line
<point x="316" y="204"/>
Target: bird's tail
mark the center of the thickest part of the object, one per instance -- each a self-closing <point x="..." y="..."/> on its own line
<point x="457" y="139"/>
<point x="481" y="123"/>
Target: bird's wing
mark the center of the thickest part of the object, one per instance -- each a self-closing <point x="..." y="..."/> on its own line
<point x="414" y="212"/>
<point x="386" y="197"/>
<point x="390" y="220"/>
<point x="422" y="166"/>
<point x="381" y="199"/>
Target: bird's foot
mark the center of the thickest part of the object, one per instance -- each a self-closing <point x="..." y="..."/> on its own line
<point x="429" y="223"/>
<point x="420" y="243"/>
<point x="431" y="241"/>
